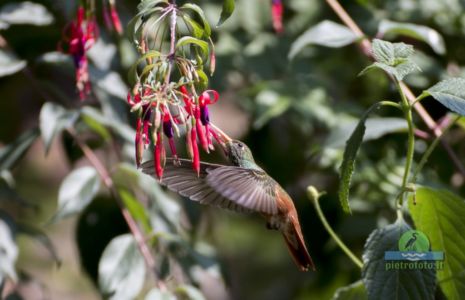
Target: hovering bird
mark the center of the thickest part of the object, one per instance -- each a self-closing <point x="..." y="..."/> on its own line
<point x="242" y="187"/>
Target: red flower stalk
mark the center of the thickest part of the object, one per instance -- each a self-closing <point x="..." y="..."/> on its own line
<point x="115" y="19"/>
<point x="111" y="17"/>
<point x="195" y="151"/>
<point x="277" y="15"/>
<point x="80" y="35"/>
<point x="159" y="156"/>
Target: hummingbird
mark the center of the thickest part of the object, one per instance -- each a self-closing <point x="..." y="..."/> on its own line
<point x="242" y="187"/>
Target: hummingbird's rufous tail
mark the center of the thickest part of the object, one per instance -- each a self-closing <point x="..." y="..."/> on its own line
<point x="296" y="244"/>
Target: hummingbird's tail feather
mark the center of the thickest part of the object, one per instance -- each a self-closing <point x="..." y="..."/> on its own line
<point x="296" y="244"/>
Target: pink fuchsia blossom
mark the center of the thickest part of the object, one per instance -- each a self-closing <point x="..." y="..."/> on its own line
<point x="79" y="36"/>
<point x="277" y="15"/>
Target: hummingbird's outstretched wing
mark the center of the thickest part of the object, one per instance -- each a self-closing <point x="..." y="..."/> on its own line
<point x="250" y="188"/>
<point x="183" y="179"/>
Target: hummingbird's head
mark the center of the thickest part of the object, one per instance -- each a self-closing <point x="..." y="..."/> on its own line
<point x="238" y="153"/>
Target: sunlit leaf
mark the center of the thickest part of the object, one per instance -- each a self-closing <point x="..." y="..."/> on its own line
<point x="25" y="12"/>
<point x="419" y="32"/>
<point x="382" y="283"/>
<point x="8" y="251"/>
<point x="157" y="294"/>
<point x="52" y="120"/>
<point x="226" y="11"/>
<point x="393" y="58"/>
<point x="121" y="269"/>
<point x="76" y="192"/>
<point x="326" y="33"/>
<point x="440" y="214"/>
<point x="10" y="64"/>
<point x="11" y="153"/>
<point x="195" y="8"/>
<point x="450" y="93"/>
<point x="188" y="40"/>
<point x="355" y="291"/>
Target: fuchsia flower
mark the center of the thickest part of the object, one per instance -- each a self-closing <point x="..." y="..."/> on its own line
<point x="277" y="15"/>
<point x="80" y="35"/>
<point x="156" y="116"/>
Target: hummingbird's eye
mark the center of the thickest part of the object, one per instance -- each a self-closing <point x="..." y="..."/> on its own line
<point x="240" y="145"/>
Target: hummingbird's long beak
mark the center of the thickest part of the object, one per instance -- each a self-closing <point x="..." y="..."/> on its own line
<point x="222" y="138"/>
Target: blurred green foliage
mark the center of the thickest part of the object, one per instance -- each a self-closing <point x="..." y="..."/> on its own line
<point x="293" y="113"/>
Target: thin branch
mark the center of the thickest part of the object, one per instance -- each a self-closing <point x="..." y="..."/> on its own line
<point x="108" y="182"/>
<point x="365" y="45"/>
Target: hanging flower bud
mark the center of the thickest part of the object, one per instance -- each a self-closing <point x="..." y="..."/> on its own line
<point x="277" y="15"/>
<point x="195" y="151"/>
<point x="138" y="143"/>
<point x="158" y="156"/>
<point x="115" y="18"/>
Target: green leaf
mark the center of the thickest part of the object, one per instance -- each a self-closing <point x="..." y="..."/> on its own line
<point x="128" y="176"/>
<point x="8" y="251"/>
<point x="136" y="209"/>
<point x="157" y="294"/>
<point x="440" y="215"/>
<point x="121" y="269"/>
<point x="226" y="11"/>
<point x="11" y="153"/>
<point x="188" y="40"/>
<point x="52" y="120"/>
<point x="393" y="58"/>
<point x="10" y="64"/>
<point x="419" y="32"/>
<point x="121" y="129"/>
<point x="355" y="291"/>
<point x="42" y="238"/>
<point x="450" y="93"/>
<point x="25" y="13"/>
<point x="196" y="28"/>
<point x="195" y="8"/>
<point x="348" y="160"/>
<point x="132" y="74"/>
<point x="382" y="283"/>
<point x="326" y="33"/>
<point x="76" y="192"/>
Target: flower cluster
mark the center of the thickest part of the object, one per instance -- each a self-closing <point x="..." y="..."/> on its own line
<point x="80" y="35"/>
<point x="161" y="117"/>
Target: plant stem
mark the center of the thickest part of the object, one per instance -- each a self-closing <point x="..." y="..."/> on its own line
<point x="314" y="197"/>
<point x="108" y="182"/>
<point x="367" y="50"/>
<point x="171" y="55"/>
<point x="407" y="108"/>
<point x="431" y="148"/>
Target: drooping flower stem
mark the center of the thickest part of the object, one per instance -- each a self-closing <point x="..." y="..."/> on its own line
<point x="314" y="196"/>
<point x="132" y="223"/>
